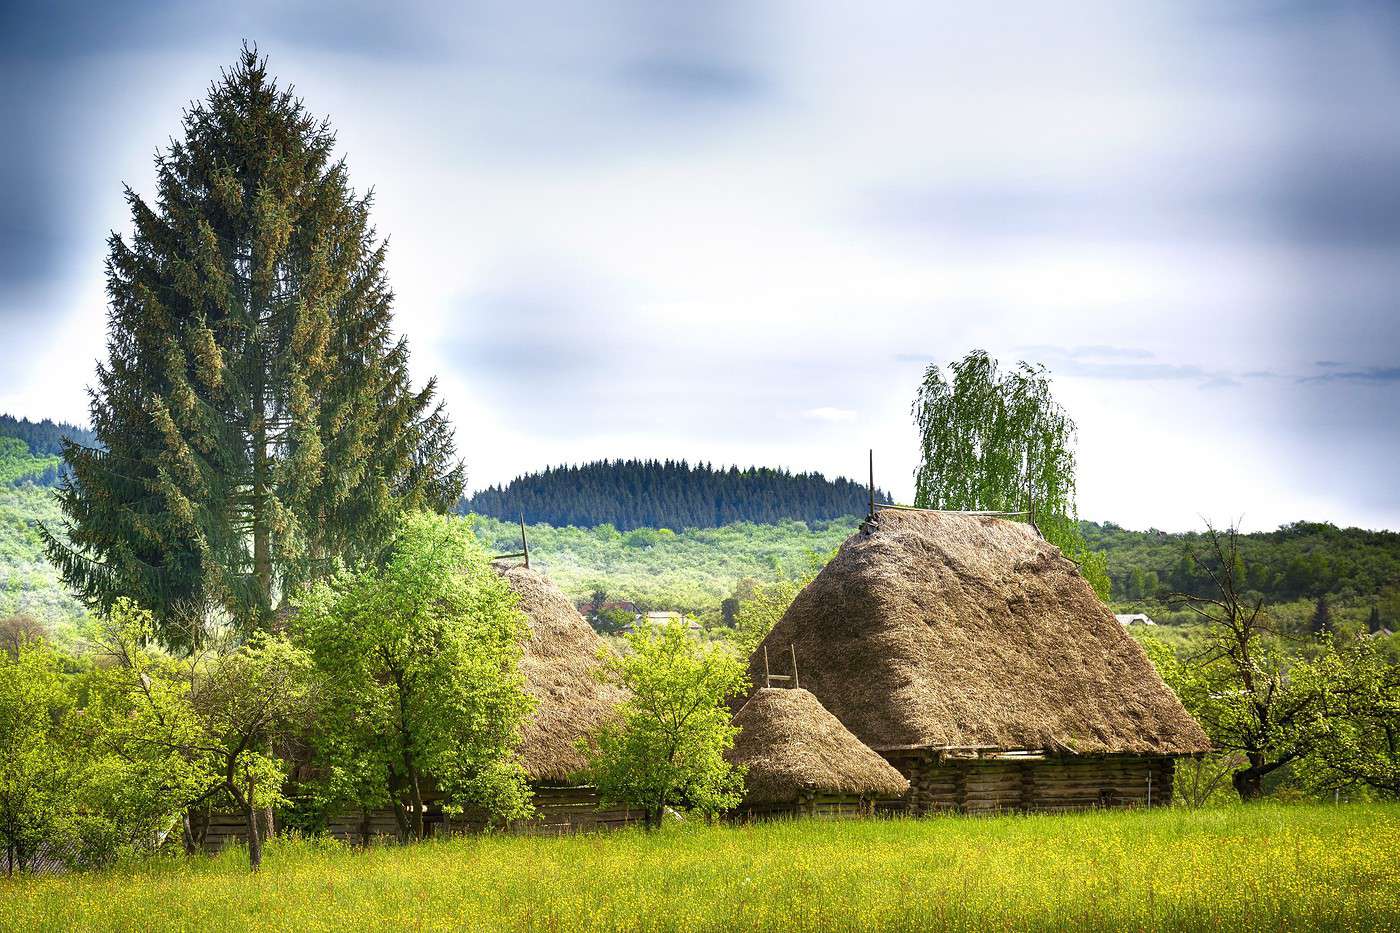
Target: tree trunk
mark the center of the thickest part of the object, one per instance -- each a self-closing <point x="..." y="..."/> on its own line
<point x="1249" y="782"/>
<point x="262" y="532"/>
<point x="401" y="817"/>
<point x="250" y="816"/>
<point x="251" y="822"/>
<point x="416" y="795"/>
<point x="188" y="831"/>
<point x="655" y="813"/>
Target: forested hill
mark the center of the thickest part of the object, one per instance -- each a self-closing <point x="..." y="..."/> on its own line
<point x="45" y="438"/>
<point x="1301" y="560"/>
<point x="630" y="494"/>
<point x="31" y="451"/>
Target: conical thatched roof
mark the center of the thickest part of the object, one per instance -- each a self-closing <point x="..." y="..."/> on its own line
<point x="560" y="659"/>
<point x="959" y="631"/>
<point x="791" y="744"/>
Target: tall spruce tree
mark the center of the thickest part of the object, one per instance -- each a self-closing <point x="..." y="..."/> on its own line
<point x="255" y="417"/>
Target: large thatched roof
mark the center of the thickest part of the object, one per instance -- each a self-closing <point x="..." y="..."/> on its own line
<point x="957" y="631"/>
<point x="560" y="659"/>
<point x="791" y="745"/>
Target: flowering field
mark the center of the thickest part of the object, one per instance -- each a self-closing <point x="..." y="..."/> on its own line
<point x="1264" y="867"/>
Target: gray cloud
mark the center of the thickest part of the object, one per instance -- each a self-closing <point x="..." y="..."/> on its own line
<point x="1370" y="374"/>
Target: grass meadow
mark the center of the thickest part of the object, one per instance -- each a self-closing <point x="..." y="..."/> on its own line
<point x="1268" y="866"/>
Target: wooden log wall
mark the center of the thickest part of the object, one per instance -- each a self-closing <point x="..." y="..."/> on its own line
<point x="813" y="806"/>
<point x="562" y="810"/>
<point x="559" y="810"/>
<point x="1064" y="783"/>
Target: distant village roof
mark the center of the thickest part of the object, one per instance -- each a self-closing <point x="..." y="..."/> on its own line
<point x="559" y="664"/>
<point x="956" y="631"/>
<point x="792" y="745"/>
<point x="1134" y="618"/>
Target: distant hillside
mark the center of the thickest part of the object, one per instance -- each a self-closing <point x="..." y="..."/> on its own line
<point x="629" y="494"/>
<point x="31" y="451"/>
<point x="1298" y="561"/>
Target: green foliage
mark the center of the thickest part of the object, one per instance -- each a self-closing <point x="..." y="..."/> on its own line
<point x="31" y="451"/>
<point x="759" y="605"/>
<point x="29" y="584"/>
<point x="1000" y="442"/>
<point x="44" y="438"/>
<point x="17" y="464"/>
<point x="629" y="494"/>
<point x="198" y="728"/>
<point x="418" y="667"/>
<point x="1306" y="867"/>
<point x="667" y="744"/>
<point x="761" y="611"/>
<point x="1356" y="741"/>
<point x="1302" y="560"/>
<point x="691" y="570"/>
<point x="255" y="417"/>
<point x="36" y="773"/>
<point x="1239" y="684"/>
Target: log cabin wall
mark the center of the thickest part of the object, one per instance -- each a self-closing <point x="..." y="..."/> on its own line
<point x="821" y="806"/>
<point x="559" y="810"/>
<point x="1050" y="784"/>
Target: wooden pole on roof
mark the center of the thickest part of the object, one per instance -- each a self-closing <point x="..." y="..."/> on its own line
<point x="872" y="483"/>
<point x="793" y="652"/>
<point x="767" y="677"/>
<point x="524" y="542"/>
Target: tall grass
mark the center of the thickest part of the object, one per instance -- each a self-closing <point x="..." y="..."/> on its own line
<point x="1263" y="867"/>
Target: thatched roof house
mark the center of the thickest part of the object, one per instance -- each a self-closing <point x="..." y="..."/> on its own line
<point x="801" y="759"/>
<point x="939" y="635"/>
<point x="560" y="664"/>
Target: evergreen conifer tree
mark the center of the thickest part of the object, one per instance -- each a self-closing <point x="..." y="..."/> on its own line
<point x="1321" y="623"/>
<point x="255" y="419"/>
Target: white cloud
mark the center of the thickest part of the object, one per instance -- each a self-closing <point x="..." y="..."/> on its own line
<point x="832" y="415"/>
<point x="619" y="232"/>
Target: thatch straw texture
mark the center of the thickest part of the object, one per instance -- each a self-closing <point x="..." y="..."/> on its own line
<point x="792" y="745"/>
<point x="559" y="662"/>
<point x="944" y="630"/>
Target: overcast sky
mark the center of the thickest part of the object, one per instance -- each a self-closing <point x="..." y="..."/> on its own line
<point x="737" y="232"/>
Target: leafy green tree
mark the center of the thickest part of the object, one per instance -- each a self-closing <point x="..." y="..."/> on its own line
<point x="204" y="726"/>
<point x="16" y="632"/>
<point x="418" y="664"/>
<point x="36" y="769"/>
<point x="613" y="621"/>
<point x="1357" y="721"/>
<point x="1240" y="688"/>
<point x="667" y="744"/>
<point x="761" y="605"/>
<point x="598" y="597"/>
<point x="254" y="417"/>
<point x="761" y="611"/>
<point x="1205" y="779"/>
<point x="1000" y="442"/>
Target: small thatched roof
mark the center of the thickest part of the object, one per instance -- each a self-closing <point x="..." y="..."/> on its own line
<point x="560" y="659"/>
<point x="939" y="630"/>
<point x="792" y="745"/>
